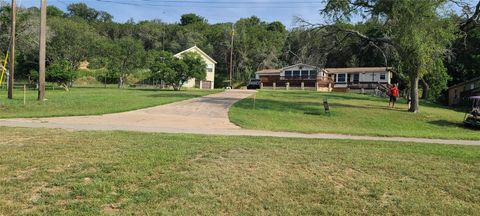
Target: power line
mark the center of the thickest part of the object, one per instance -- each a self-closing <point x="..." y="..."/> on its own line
<point x="238" y="5"/>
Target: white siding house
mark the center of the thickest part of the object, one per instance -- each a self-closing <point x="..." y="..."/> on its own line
<point x="358" y="78"/>
<point x="209" y="81"/>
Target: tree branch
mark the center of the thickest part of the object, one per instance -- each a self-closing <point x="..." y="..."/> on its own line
<point x="473" y="20"/>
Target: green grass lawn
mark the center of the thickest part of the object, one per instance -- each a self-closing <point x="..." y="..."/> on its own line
<point x="56" y="172"/>
<point x="89" y="101"/>
<point x="302" y="111"/>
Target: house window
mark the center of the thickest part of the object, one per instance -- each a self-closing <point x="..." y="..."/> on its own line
<point x="296" y="73"/>
<point x="383" y="76"/>
<point x="210" y="68"/>
<point x="341" y="78"/>
<point x="304" y="73"/>
<point x="288" y="73"/>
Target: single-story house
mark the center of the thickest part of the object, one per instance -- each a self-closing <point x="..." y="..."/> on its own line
<point x="359" y="77"/>
<point x="459" y="92"/>
<point x="327" y="79"/>
<point x="209" y="81"/>
<point x="295" y="75"/>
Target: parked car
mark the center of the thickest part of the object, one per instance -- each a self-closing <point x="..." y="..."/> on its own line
<point x="254" y="84"/>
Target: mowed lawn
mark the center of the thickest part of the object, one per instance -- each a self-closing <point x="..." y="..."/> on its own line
<point x="90" y="101"/>
<point x="89" y="173"/>
<point x="303" y="111"/>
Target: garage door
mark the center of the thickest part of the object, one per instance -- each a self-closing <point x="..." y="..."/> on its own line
<point x="206" y="84"/>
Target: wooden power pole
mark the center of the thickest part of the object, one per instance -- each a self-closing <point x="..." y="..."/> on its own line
<point x="231" y="56"/>
<point x="12" y="50"/>
<point x="42" y="52"/>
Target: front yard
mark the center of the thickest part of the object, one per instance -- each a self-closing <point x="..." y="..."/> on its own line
<point x="90" y="101"/>
<point x="302" y="111"/>
<point x="52" y="172"/>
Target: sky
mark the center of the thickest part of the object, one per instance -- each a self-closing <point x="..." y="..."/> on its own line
<point x="214" y="11"/>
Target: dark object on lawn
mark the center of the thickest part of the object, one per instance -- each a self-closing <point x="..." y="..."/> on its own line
<point x="472" y="119"/>
<point x="254" y="84"/>
<point x="326" y="106"/>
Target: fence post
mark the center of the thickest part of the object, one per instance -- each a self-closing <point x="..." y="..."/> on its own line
<point x="261" y="85"/>
<point x="288" y="86"/>
<point x="24" y="94"/>
<point x="303" y="86"/>
<point x="274" y="86"/>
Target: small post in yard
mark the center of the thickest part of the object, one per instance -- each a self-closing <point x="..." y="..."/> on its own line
<point x="288" y="86"/>
<point x="303" y="86"/>
<point x="254" y="100"/>
<point x="274" y="85"/>
<point x="24" y="95"/>
<point x="326" y="106"/>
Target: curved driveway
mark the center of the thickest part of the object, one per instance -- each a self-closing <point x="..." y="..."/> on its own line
<point x="206" y="115"/>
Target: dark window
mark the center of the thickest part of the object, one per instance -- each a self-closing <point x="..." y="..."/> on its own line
<point x="341" y="78"/>
<point x="383" y="76"/>
<point x="313" y="73"/>
<point x="356" y="78"/>
<point x="288" y="73"/>
<point x="296" y="74"/>
<point x="304" y="73"/>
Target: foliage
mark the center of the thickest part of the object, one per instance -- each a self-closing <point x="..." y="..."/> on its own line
<point x="191" y="18"/>
<point x="175" y="71"/>
<point x="84" y="33"/>
<point x="61" y="72"/>
<point x="419" y="32"/>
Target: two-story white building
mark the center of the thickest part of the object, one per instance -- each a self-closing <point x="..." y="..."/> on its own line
<point x="209" y="81"/>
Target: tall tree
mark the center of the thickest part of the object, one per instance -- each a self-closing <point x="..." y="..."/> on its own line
<point x="418" y="31"/>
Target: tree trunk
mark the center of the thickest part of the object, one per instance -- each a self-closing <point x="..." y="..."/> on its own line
<point x="414" y="107"/>
<point x="425" y="88"/>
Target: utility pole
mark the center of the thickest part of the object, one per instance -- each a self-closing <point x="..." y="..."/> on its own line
<point x="231" y="56"/>
<point x="42" y="52"/>
<point x="12" y="50"/>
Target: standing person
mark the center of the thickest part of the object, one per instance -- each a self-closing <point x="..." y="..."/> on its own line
<point x="393" y="95"/>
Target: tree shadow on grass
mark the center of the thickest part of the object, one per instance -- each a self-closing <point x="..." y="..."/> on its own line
<point x="445" y="123"/>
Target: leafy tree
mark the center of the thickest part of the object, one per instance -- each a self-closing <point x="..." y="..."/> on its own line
<point x="53" y="11"/>
<point x="62" y="73"/>
<point x="191" y="18"/>
<point x="72" y="40"/>
<point x="417" y="30"/>
<point x="176" y="71"/>
<point x="89" y="14"/>
<point x="124" y="55"/>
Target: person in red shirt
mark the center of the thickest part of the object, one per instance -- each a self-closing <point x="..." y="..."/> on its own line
<point x="393" y="95"/>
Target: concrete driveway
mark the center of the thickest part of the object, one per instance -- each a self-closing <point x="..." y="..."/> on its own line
<point x="204" y="113"/>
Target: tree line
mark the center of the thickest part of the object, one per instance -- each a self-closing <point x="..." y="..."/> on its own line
<point x="426" y="44"/>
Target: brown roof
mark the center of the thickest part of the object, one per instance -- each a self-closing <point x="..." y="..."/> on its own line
<point x="464" y="83"/>
<point x="268" y="71"/>
<point x="357" y="70"/>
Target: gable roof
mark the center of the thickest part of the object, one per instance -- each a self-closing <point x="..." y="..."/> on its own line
<point x="198" y="50"/>
<point x="297" y="65"/>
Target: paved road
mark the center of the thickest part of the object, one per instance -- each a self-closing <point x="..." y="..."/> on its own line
<point x="206" y="115"/>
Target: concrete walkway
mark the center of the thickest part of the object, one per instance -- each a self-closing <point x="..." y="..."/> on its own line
<point x="206" y="115"/>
